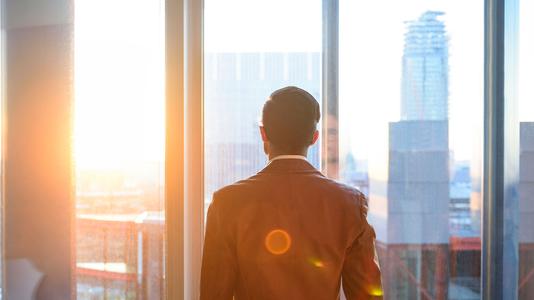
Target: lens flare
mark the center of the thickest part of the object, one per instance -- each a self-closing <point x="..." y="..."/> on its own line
<point x="376" y="291"/>
<point x="277" y="241"/>
<point x="316" y="262"/>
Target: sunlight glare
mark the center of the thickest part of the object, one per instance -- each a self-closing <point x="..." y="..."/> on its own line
<point x="119" y="83"/>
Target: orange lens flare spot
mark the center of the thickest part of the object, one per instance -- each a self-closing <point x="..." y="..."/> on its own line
<point x="376" y="291"/>
<point x="316" y="263"/>
<point x="277" y="241"/>
<point x="319" y="264"/>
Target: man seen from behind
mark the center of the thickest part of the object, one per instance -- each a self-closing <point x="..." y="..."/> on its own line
<point x="289" y="232"/>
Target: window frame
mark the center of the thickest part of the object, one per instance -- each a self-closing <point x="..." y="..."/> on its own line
<point x="500" y="212"/>
<point x="184" y="147"/>
<point x="174" y="150"/>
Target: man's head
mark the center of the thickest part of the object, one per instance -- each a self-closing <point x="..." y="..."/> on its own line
<point x="289" y="118"/>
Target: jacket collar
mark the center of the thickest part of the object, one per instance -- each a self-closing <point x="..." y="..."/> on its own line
<point x="288" y="157"/>
<point x="289" y="165"/>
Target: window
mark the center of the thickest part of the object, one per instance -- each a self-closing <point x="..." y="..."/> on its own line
<point x="410" y="134"/>
<point x="405" y="110"/>
<point x="526" y="152"/>
<point x="119" y="149"/>
<point x="410" y="103"/>
<point x="243" y="65"/>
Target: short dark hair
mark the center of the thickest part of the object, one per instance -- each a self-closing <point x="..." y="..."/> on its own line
<point x="290" y="116"/>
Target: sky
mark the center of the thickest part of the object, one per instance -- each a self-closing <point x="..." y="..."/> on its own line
<point x="526" y="61"/>
<point x="370" y="51"/>
<point x="371" y="41"/>
<point x="119" y="83"/>
<point x="119" y="61"/>
<point x="371" y="48"/>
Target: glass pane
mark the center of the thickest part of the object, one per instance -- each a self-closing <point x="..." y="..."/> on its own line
<point x="411" y="108"/>
<point x="119" y="149"/>
<point x="243" y="65"/>
<point x="526" y="155"/>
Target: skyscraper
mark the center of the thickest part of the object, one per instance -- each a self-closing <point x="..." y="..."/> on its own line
<point x="425" y="69"/>
<point x="415" y="234"/>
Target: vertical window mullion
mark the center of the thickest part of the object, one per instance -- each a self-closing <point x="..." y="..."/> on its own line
<point x="174" y="150"/>
<point x="194" y="148"/>
<point x="501" y="155"/>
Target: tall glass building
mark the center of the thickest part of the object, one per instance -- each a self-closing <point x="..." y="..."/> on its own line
<point x="416" y="231"/>
<point x="425" y="69"/>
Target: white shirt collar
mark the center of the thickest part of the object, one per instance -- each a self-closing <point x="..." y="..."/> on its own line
<point x="289" y="157"/>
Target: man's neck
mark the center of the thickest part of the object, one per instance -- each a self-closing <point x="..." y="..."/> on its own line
<point x="274" y="154"/>
<point x="288" y="156"/>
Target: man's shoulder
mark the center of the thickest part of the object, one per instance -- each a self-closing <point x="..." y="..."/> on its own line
<point x="354" y="195"/>
<point x="262" y="182"/>
<point x="241" y="186"/>
<point x="232" y="197"/>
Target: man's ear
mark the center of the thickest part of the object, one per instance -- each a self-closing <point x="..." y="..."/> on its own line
<point x="263" y="134"/>
<point x="315" y="137"/>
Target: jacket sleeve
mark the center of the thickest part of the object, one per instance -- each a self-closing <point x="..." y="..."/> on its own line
<point x="361" y="271"/>
<point x="219" y="265"/>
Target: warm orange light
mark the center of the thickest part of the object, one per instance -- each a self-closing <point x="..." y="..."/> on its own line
<point x="316" y="263"/>
<point x="376" y="291"/>
<point x="277" y="241"/>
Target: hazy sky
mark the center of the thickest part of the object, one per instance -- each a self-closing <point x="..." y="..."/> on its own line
<point x="119" y="66"/>
<point x="371" y="42"/>
<point x="119" y="82"/>
<point x="371" y="48"/>
<point x="526" y="61"/>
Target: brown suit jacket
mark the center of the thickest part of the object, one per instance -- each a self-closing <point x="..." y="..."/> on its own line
<point x="289" y="233"/>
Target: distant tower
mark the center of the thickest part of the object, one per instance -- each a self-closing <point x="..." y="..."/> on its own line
<point x="425" y="69"/>
<point x="416" y="232"/>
